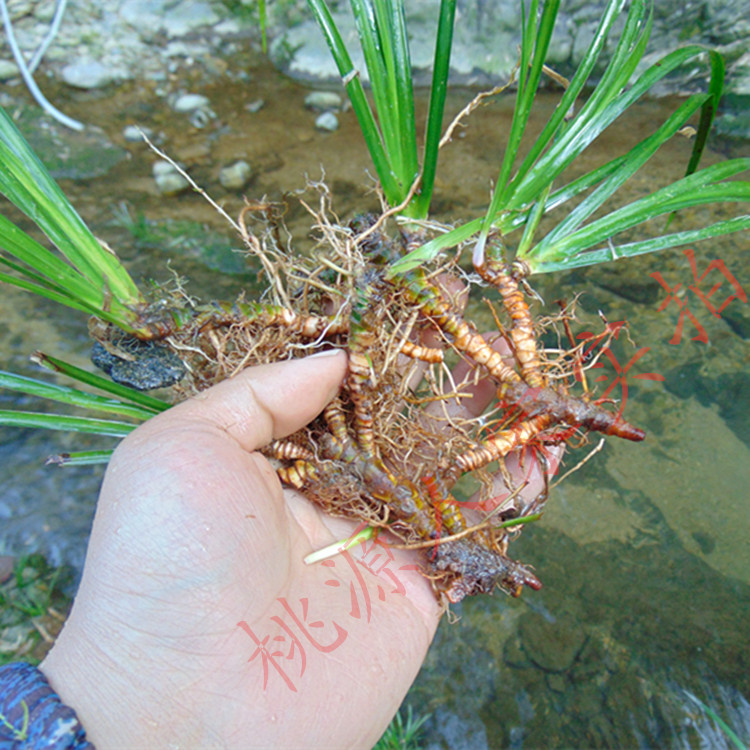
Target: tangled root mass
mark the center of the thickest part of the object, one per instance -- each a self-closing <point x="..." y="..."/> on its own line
<point x="390" y="448"/>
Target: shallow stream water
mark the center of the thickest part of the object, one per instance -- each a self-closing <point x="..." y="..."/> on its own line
<point x="643" y="552"/>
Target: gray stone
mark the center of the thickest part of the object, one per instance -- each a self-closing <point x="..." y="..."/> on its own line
<point x="133" y="133"/>
<point x="327" y="121"/>
<point x="228" y="27"/>
<point x="149" y="17"/>
<point x="186" y="17"/>
<point x="168" y="180"/>
<point x="87" y="74"/>
<point x="163" y="167"/>
<point x="19" y="8"/>
<point x="8" y="69"/>
<point x="199" y="118"/>
<point x="740" y="80"/>
<point x="190" y="102"/>
<point x="235" y="176"/>
<point x="44" y="12"/>
<point x="149" y="365"/>
<point x="323" y="100"/>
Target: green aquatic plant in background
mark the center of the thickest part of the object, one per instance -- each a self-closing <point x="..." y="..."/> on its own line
<point x="402" y="733"/>
<point x="31" y="602"/>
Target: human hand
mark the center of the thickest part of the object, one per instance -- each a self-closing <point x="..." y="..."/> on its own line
<point x="194" y="535"/>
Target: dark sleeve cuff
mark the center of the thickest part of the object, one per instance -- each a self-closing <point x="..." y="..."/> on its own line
<point x="32" y="716"/>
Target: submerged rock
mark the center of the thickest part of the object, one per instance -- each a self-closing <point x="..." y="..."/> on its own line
<point x="88" y="74"/>
<point x="327" y="121"/>
<point x="168" y="180"/>
<point x="235" y="176"/>
<point x="67" y="154"/>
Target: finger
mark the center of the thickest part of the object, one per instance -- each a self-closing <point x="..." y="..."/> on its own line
<point x="530" y="471"/>
<point x="476" y="391"/>
<point x="267" y="402"/>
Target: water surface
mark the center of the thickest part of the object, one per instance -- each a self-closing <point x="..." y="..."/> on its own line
<point x="643" y="552"/>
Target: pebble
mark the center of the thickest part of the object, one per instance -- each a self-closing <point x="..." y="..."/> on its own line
<point x="19" y="9"/>
<point x="323" y="100"/>
<point x="132" y="133"/>
<point x="8" y="69"/>
<point x="327" y="121"/>
<point x="168" y="180"/>
<point x="87" y="74"/>
<point x="44" y="12"/>
<point x="255" y="106"/>
<point x="235" y="176"/>
<point x="190" y="102"/>
<point x="187" y="17"/>
<point x="199" y="118"/>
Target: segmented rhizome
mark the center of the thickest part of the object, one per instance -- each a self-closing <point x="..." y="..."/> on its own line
<point x="390" y="448"/>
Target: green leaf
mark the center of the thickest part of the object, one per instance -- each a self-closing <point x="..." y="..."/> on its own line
<point x="25" y="181"/>
<point x="263" y="16"/>
<point x="49" y="267"/>
<point x="35" y="420"/>
<point x="143" y="400"/>
<point x="605" y="104"/>
<point x="359" y="102"/>
<point x="632" y="162"/>
<point x="534" y="47"/>
<point x="631" y="249"/>
<point x="438" y="91"/>
<point x="566" y="104"/>
<point x="71" y="396"/>
<point x="81" y="458"/>
<point x="698" y="189"/>
<point x="715" y="90"/>
<point x="730" y="733"/>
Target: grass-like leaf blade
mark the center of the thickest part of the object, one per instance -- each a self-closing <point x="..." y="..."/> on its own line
<point x="71" y="396"/>
<point x="80" y="458"/>
<point x="25" y="181"/>
<point x="149" y="403"/>
<point x="35" y="420"/>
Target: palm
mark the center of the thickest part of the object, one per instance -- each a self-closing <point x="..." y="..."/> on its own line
<point x="194" y="535"/>
<point x="197" y="622"/>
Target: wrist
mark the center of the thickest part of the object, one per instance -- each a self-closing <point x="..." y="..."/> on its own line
<point x="95" y="686"/>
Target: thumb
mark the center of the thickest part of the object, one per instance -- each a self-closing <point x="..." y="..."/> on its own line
<point x="267" y="402"/>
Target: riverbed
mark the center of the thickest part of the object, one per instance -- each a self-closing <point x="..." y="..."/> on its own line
<point x="643" y="551"/>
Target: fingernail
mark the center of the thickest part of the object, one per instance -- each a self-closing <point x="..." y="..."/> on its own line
<point x="325" y="353"/>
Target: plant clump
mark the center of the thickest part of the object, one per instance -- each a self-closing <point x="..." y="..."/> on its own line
<point x="390" y="448"/>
